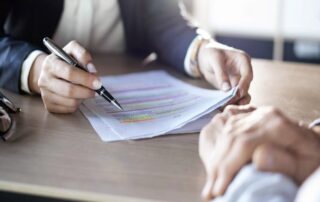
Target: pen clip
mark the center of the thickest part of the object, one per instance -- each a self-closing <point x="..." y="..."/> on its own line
<point x="55" y="49"/>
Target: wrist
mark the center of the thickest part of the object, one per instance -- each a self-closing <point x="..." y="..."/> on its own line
<point x="34" y="73"/>
<point x="195" y="55"/>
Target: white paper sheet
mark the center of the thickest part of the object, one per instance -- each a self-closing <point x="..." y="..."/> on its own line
<point x="154" y="103"/>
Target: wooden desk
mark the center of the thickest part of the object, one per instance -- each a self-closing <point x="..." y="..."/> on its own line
<point x="61" y="155"/>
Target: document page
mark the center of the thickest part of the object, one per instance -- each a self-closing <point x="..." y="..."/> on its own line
<point x="154" y="103"/>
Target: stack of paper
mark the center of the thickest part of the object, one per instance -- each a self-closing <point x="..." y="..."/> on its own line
<point x="154" y="103"/>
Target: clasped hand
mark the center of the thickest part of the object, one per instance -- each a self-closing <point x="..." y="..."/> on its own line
<point x="265" y="137"/>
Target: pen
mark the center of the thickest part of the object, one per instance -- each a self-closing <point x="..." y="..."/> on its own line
<point x="55" y="49"/>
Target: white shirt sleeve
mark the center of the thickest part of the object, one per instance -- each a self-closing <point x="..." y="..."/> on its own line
<point x="25" y="70"/>
<point x="315" y="123"/>
<point x="251" y="185"/>
<point x="187" y="59"/>
<point x="309" y="190"/>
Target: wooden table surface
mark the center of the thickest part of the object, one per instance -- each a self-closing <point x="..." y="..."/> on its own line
<point x="62" y="156"/>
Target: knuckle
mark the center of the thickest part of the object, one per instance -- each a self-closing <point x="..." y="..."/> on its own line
<point x="41" y="82"/>
<point x="49" y="108"/>
<point x="72" y="43"/>
<point x="244" y="143"/>
<point x="244" y="56"/>
<point x="231" y="109"/>
<point x="217" y="118"/>
<point x="73" y="109"/>
<point x="74" y="103"/>
<point x="216" y="52"/>
<point x="90" y="80"/>
<point x="70" y="90"/>
<point x="83" y="53"/>
<point x="273" y="111"/>
<point x="47" y="63"/>
<point x="69" y="73"/>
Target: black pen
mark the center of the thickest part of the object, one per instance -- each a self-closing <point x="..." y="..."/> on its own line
<point x="55" y="49"/>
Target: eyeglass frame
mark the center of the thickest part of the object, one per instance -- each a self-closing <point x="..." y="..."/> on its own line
<point x="9" y="108"/>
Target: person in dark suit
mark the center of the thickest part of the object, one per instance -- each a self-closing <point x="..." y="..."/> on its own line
<point x="135" y="26"/>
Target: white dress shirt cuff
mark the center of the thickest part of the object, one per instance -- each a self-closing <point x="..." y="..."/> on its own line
<point x="315" y="123"/>
<point x="187" y="59"/>
<point x="25" y="70"/>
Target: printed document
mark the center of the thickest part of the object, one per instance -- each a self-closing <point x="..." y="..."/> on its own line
<point x="155" y="103"/>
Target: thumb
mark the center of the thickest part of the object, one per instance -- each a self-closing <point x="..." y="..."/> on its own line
<point x="272" y="158"/>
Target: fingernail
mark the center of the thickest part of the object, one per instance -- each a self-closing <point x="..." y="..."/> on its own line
<point x="91" y="68"/>
<point x="217" y="189"/>
<point x="96" y="84"/>
<point x="225" y="86"/>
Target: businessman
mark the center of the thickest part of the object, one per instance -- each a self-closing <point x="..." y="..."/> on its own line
<point x="83" y="27"/>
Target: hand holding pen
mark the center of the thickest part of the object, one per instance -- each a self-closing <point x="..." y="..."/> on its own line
<point x="62" y="86"/>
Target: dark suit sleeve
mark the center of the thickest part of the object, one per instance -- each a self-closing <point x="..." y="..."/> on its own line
<point x="157" y="26"/>
<point x="12" y="53"/>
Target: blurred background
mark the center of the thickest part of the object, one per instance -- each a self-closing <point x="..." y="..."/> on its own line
<point x="286" y="30"/>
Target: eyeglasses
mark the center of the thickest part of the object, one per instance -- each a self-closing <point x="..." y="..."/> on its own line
<point x="7" y="123"/>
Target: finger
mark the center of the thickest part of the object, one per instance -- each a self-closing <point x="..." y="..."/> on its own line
<point x="59" y="109"/>
<point x="271" y="158"/>
<point x="235" y="98"/>
<point x="208" y="136"/>
<point x="245" y="100"/>
<point x="234" y="79"/>
<point x="56" y="108"/>
<point x="211" y="78"/>
<point x="220" y="71"/>
<point x="206" y="143"/>
<point x="67" y="72"/>
<point x="239" y="154"/>
<point x="206" y="193"/>
<point x="66" y="89"/>
<point x="207" y="153"/>
<point x="50" y="97"/>
<point x="232" y="110"/>
<point x="246" y="74"/>
<point x="78" y="52"/>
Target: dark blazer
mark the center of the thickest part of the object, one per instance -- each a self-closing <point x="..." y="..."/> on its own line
<point x="150" y="26"/>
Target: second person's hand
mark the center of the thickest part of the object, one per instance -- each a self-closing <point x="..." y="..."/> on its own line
<point x="225" y="67"/>
<point x="62" y="86"/>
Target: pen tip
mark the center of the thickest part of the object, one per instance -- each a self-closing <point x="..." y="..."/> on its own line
<point x="115" y="103"/>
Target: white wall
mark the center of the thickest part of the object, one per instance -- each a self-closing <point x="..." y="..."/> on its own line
<point x="275" y="19"/>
